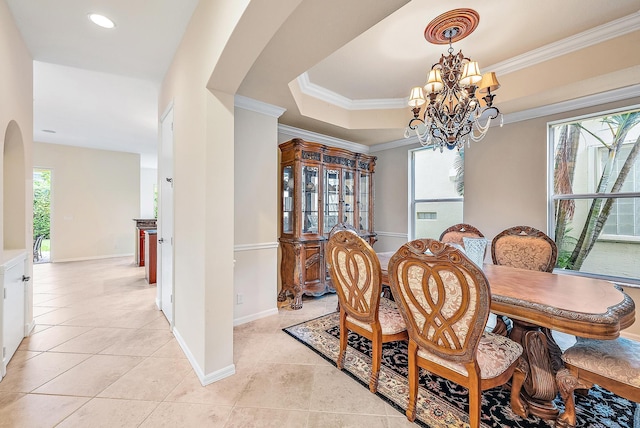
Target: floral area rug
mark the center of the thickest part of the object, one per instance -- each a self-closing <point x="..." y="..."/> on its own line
<point x="444" y="404"/>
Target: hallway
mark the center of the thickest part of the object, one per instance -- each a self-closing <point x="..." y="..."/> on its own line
<point x="102" y="355"/>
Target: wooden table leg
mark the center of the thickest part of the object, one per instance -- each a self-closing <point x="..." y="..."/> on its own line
<point x="568" y="383"/>
<point x="543" y="358"/>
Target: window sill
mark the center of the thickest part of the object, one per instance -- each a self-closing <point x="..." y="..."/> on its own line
<point x="624" y="282"/>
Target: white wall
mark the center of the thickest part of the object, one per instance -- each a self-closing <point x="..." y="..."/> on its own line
<point x="16" y="126"/>
<point x="148" y="183"/>
<point x="391" y="198"/>
<point x="256" y="215"/>
<point x="95" y="195"/>
<point x="223" y="41"/>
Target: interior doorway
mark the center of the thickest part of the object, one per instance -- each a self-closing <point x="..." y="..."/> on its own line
<point x="165" y="217"/>
<point x="41" y="215"/>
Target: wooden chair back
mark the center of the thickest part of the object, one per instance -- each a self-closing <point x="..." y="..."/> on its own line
<point x="443" y="296"/>
<point x="444" y="299"/>
<point x="342" y="226"/>
<point x="455" y="233"/>
<point x="356" y="274"/>
<point x="524" y="247"/>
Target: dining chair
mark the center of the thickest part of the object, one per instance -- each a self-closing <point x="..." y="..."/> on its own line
<point x="444" y="299"/>
<point x="37" y="248"/>
<point x="455" y="233"/>
<point x="612" y="364"/>
<point x="524" y="247"/>
<point x="357" y="278"/>
<point x="342" y="226"/>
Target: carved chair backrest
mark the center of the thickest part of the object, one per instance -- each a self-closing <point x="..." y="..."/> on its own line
<point x="455" y="233"/>
<point x="342" y="226"/>
<point x="356" y="274"/>
<point x="524" y="247"/>
<point x="443" y="297"/>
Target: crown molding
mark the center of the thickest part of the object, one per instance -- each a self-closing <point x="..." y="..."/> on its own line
<point x="575" y="104"/>
<point x="573" y="43"/>
<point x="322" y="139"/>
<point x="394" y="144"/>
<point x="247" y="103"/>
<point x="610" y="30"/>
<point x="316" y="91"/>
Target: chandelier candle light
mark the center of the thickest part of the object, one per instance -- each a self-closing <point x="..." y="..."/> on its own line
<point x="452" y="113"/>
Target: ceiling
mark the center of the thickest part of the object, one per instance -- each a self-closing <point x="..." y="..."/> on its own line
<point x="98" y="88"/>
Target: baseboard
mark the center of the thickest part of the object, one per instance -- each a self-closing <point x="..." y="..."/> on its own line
<point x="256" y="316"/>
<point x="210" y="377"/>
<point x="631" y="336"/>
<point x="28" y="328"/>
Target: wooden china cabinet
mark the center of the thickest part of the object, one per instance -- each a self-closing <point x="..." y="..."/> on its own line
<point x="320" y="187"/>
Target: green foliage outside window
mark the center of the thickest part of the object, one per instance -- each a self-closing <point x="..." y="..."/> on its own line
<point x="42" y="203"/>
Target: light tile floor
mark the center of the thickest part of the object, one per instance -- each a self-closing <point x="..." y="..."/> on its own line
<point x="102" y="355"/>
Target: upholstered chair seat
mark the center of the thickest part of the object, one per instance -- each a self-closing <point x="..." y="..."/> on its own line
<point x="391" y="322"/>
<point x="617" y="360"/>
<point x="495" y="355"/>
<point x="612" y="364"/>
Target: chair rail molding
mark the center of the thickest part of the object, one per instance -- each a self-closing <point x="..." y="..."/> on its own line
<point x="256" y="246"/>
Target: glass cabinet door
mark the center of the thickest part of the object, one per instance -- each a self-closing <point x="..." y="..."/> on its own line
<point x="331" y="199"/>
<point x="363" y="189"/>
<point x="348" y="186"/>
<point x="310" y="199"/>
<point x="287" y="199"/>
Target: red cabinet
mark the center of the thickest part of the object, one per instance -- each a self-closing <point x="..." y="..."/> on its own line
<point x="150" y="250"/>
<point x="142" y="225"/>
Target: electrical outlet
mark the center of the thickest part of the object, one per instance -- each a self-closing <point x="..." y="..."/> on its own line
<point x="239" y="299"/>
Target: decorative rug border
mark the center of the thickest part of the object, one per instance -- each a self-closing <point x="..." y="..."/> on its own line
<point x="348" y="373"/>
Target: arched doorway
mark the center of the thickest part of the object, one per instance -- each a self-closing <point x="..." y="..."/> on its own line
<point x="14" y="190"/>
<point x="15" y="307"/>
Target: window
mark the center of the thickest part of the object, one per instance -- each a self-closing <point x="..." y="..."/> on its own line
<point x="437" y="184"/>
<point x="624" y="220"/>
<point x="427" y="216"/>
<point x="594" y="211"/>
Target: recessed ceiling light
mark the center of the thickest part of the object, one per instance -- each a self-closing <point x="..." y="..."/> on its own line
<point x="101" y="20"/>
<point x="50" y="131"/>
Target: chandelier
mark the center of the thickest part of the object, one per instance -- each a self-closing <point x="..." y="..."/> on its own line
<point x="452" y="113"/>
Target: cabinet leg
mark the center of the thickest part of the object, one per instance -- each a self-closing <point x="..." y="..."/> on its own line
<point x="297" y="301"/>
<point x="282" y="295"/>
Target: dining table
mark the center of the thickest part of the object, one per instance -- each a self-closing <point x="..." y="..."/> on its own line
<point x="537" y="303"/>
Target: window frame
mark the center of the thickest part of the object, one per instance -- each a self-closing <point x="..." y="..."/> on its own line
<point x="413" y="202"/>
<point x="552" y="197"/>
